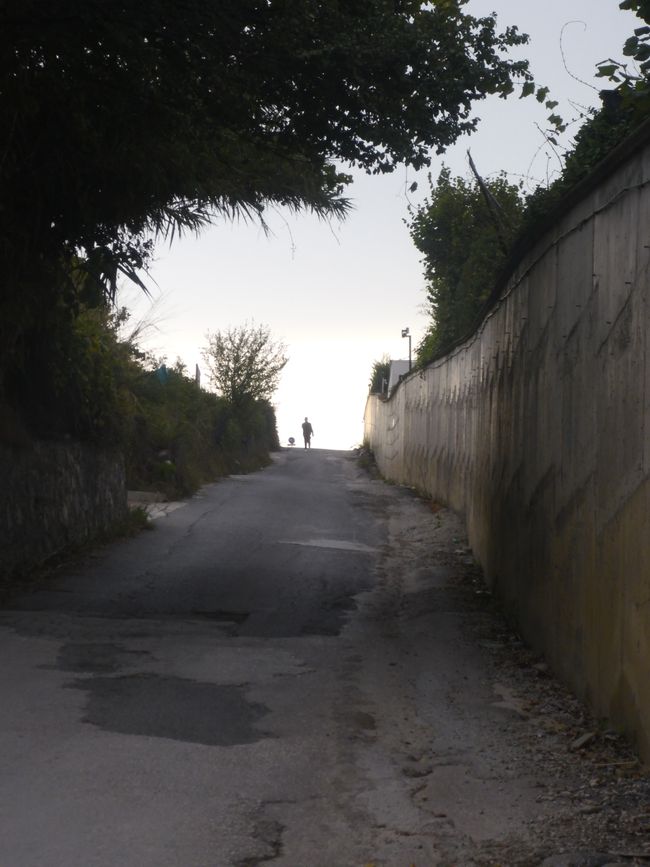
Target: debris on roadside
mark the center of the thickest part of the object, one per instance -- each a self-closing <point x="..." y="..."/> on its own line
<point x="589" y="774"/>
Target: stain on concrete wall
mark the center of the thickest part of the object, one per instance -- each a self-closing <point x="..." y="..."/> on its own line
<point x="537" y="429"/>
<point x="55" y="496"/>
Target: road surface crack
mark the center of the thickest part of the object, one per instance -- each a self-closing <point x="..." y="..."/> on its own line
<point x="269" y="833"/>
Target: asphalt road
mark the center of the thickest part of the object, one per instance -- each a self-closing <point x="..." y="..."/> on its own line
<point x="186" y="697"/>
<point x="294" y="668"/>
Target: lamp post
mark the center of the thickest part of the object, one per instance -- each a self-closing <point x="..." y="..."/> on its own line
<point x="406" y="332"/>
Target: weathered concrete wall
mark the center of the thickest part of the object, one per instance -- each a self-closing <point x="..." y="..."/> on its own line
<point x="538" y="430"/>
<point x="54" y="496"/>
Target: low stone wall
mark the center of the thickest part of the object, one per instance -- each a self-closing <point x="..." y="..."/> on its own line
<point x="537" y="428"/>
<point x="55" y="496"/>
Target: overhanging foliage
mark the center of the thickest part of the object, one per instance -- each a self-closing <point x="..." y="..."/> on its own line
<point x="122" y="118"/>
<point x="464" y="242"/>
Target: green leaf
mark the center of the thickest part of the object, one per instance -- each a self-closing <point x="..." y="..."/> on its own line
<point x="557" y="122"/>
<point x="541" y="94"/>
<point x="607" y="71"/>
<point x="551" y="104"/>
<point x="528" y="89"/>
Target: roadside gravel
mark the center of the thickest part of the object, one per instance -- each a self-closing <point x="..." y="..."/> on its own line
<point x="505" y="765"/>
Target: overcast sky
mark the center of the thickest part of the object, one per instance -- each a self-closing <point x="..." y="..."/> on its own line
<point x="339" y="294"/>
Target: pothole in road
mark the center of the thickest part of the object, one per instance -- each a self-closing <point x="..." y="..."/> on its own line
<point x="172" y="707"/>
<point x="269" y="833"/>
<point x="95" y="657"/>
<point x="332" y="617"/>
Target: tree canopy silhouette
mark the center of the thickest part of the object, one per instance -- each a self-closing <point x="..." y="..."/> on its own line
<point x="123" y="120"/>
<point x="122" y="116"/>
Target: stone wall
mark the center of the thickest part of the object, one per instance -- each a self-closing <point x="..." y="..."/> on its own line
<point x="54" y="496"/>
<point x="537" y="428"/>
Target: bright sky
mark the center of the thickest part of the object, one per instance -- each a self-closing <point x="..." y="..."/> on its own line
<point x="338" y="295"/>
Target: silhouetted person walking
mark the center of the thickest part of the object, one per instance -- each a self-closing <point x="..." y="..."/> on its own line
<point x="307" y="432"/>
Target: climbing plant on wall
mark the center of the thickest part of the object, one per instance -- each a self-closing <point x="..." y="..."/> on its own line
<point x="464" y="237"/>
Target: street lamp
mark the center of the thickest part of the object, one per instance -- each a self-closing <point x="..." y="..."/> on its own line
<point x="406" y="332"/>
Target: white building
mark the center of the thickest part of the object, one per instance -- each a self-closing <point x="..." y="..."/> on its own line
<point x="397" y="369"/>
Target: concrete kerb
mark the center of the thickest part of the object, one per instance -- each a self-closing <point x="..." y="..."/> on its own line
<point x="153" y="503"/>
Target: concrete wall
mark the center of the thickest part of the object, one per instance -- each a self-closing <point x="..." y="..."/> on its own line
<point x="54" y="496"/>
<point x="538" y="430"/>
